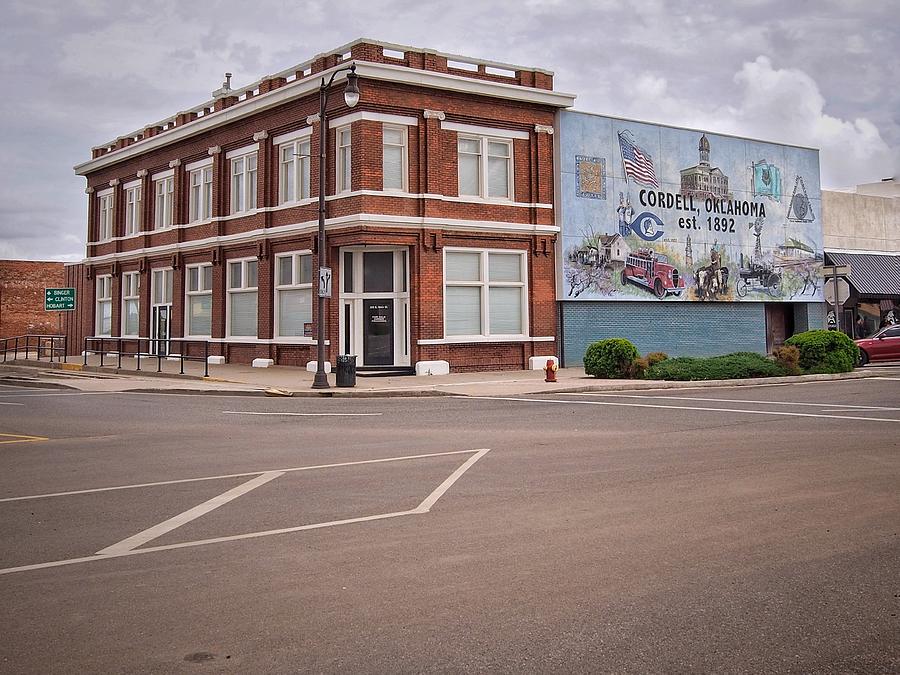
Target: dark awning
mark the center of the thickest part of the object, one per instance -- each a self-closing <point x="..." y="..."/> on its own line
<point x="870" y="273"/>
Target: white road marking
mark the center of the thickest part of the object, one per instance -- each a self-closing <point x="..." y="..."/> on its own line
<point x="683" y="407"/>
<point x="8" y="403"/>
<point x="175" y="522"/>
<point x="882" y="377"/>
<point x="236" y="475"/>
<point x="421" y="509"/>
<point x="297" y="414"/>
<point x="732" y="400"/>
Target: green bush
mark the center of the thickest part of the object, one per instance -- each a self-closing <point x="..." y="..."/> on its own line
<point x="788" y="357"/>
<point x="825" y="351"/>
<point x="655" y="357"/>
<point x="727" y="367"/>
<point x="613" y="358"/>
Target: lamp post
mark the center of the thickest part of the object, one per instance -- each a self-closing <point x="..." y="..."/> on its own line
<point x="351" y="98"/>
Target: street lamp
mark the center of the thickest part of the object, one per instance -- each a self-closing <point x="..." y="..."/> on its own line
<point x="351" y="98"/>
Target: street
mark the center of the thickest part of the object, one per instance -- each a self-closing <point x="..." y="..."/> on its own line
<point x="746" y="529"/>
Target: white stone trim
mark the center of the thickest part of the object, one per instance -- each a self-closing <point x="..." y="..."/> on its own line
<point x="142" y="173"/>
<point x="175" y="163"/>
<point x="199" y="164"/>
<point x="434" y="115"/>
<point x="131" y="184"/>
<point x="543" y="129"/>
<point x="370" y="116"/>
<point x="485" y="131"/>
<point x="168" y="173"/>
<point x="213" y="150"/>
<point x="304" y="132"/>
<point x="261" y="135"/>
<point x="105" y="192"/>
<point x="479" y="339"/>
<point x="245" y="150"/>
<point x="113" y="182"/>
<point x="312" y="119"/>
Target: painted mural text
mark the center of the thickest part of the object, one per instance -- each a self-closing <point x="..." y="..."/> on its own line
<point x="725" y="207"/>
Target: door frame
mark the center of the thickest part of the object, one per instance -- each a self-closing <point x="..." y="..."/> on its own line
<point x="155" y="306"/>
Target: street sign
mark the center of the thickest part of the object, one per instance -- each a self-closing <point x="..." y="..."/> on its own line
<point x="843" y="290"/>
<point x="59" y="299"/>
<point x="835" y="270"/>
<point x="324" y="282"/>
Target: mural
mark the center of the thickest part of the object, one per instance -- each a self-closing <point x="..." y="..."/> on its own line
<point x="680" y="215"/>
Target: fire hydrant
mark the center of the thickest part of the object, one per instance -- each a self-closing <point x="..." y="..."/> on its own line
<point x="550" y="371"/>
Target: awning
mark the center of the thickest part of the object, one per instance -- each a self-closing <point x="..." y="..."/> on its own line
<point x="871" y="274"/>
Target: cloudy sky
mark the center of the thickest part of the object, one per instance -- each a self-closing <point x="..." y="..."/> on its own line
<point x="77" y="73"/>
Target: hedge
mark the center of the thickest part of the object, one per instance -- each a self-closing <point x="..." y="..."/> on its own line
<point x="612" y="358"/>
<point x="825" y="351"/>
<point x="727" y="367"/>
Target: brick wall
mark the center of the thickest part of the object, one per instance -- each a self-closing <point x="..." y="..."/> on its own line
<point x="22" y="285"/>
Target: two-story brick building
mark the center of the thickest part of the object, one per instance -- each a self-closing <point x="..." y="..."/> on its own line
<point x="440" y="220"/>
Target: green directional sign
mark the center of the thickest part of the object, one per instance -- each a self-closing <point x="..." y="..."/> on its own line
<point x="59" y="299"/>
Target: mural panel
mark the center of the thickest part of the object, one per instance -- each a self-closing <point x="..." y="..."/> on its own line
<point x="680" y="215"/>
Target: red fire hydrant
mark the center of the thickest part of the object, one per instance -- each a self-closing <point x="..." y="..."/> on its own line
<point x="550" y="371"/>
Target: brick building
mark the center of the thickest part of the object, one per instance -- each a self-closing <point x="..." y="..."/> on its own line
<point x="22" y="284"/>
<point x="440" y="221"/>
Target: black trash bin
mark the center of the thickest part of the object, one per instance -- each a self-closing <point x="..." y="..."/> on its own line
<point x="345" y="374"/>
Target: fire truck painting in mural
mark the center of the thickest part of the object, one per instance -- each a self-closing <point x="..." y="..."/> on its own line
<point x="679" y="215"/>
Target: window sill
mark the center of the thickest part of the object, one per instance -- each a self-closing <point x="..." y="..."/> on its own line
<point x="484" y="339"/>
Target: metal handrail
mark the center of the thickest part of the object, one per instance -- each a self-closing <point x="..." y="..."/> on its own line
<point x="57" y="348"/>
<point x="154" y="350"/>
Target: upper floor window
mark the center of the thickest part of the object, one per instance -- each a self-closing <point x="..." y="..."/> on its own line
<point x="343" y="160"/>
<point x="163" y="213"/>
<point x="132" y="210"/>
<point x="394" y="158"/>
<point x="199" y="300"/>
<point x="104" y="305"/>
<point x="293" y="287"/>
<point x="131" y="303"/>
<point x="201" y="194"/>
<point x="105" y="231"/>
<point x="293" y="175"/>
<point x="484" y="293"/>
<point x="485" y="167"/>
<point x="243" y="183"/>
<point x="242" y="297"/>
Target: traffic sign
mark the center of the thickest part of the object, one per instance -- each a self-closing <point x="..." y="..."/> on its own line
<point x="59" y="299"/>
<point x="832" y="270"/>
<point x="843" y="290"/>
<point x="324" y="282"/>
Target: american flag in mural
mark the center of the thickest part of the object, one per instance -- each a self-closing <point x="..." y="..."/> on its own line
<point x="638" y="163"/>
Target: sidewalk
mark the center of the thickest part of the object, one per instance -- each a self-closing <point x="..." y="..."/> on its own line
<point x="231" y="379"/>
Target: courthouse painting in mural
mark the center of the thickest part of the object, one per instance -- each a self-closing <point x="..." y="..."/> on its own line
<point x="649" y="211"/>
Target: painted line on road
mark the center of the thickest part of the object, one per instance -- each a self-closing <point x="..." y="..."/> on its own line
<point x="733" y="400"/>
<point x="421" y="509"/>
<point x="175" y="522"/>
<point x="297" y="414"/>
<point x="881" y="377"/>
<point x="9" y="403"/>
<point x="21" y="438"/>
<point x="236" y="475"/>
<point x="683" y="407"/>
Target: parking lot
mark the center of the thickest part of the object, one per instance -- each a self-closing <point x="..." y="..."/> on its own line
<point x="750" y="528"/>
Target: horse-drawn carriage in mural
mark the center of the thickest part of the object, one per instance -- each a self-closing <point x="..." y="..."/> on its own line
<point x="758" y="275"/>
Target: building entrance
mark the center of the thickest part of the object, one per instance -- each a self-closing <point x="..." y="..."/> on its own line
<point x="161" y="311"/>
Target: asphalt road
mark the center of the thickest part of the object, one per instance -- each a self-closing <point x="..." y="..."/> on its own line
<point x="751" y="529"/>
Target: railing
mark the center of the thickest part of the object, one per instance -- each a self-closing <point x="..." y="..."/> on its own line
<point x="158" y="350"/>
<point x="51" y="346"/>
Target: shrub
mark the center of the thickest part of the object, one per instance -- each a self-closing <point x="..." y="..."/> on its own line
<point x="825" y="351"/>
<point x="655" y="357"/>
<point x="788" y="357"/>
<point x="727" y="367"/>
<point x="639" y="368"/>
<point x="612" y="358"/>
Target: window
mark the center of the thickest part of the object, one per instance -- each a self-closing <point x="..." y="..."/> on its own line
<point x="199" y="300"/>
<point x="104" y="305"/>
<point x="164" y="202"/>
<point x="201" y="194"/>
<point x="343" y="162"/>
<point x="243" y="183"/>
<point x="293" y="290"/>
<point x="106" y="218"/>
<point x="394" y="158"/>
<point x="162" y="286"/>
<point x="132" y="210"/>
<point x="131" y="303"/>
<point x="293" y="177"/>
<point x="485" y="167"/>
<point x="242" y="298"/>
<point x="484" y="293"/>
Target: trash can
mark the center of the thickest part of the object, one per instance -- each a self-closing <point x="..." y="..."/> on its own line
<point x="345" y="373"/>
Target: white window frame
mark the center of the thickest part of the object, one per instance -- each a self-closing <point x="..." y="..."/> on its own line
<point x="295" y="285"/>
<point x="200" y="194"/>
<point x="485" y="284"/>
<point x="164" y="200"/>
<point x="106" y="209"/>
<point x="343" y="160"/>
<point x="200" y="291"/>
<point x="483" y="167"/>
<point x="298" y="189"/>
<point x="131" y="294"/>
<point x="103" y="296"/>
<point x="404" y="156"/>
<point x="133" y="210"/>
<point x="242" y="289"/>
<point x="244" y="179"/>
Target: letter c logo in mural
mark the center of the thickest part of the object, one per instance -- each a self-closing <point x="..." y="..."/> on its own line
<point x="648" y="226"/>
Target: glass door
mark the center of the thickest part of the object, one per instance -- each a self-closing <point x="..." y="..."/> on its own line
<point x="161" y="311"/>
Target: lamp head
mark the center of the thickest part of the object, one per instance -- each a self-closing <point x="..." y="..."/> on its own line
<point x="351" y="92"/>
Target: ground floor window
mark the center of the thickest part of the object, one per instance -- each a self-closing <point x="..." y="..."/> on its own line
<point x="131" y="303"/>
<point x="199" y="300"/>
<point x="293" y="291"/>
<point x="104" y="305"/>
<point x="484" y="293"/>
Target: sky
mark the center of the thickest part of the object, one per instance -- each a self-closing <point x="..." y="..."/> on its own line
<point x="78" y="73"/>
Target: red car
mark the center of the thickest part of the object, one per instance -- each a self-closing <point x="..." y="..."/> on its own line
<point x="884" y="345"/>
